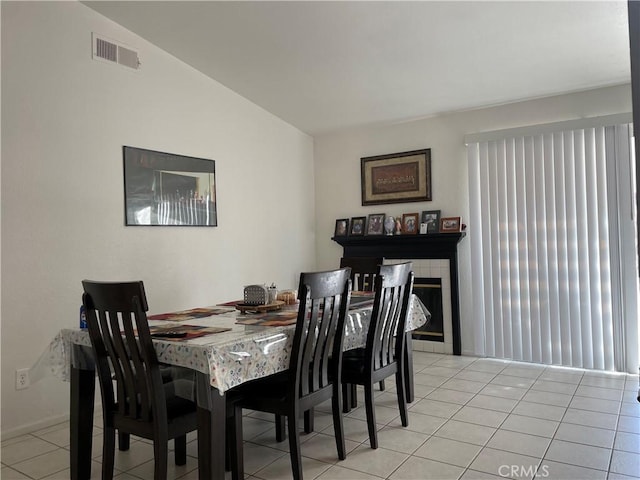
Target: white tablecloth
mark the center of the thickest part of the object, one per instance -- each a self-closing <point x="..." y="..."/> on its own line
<point x="229" y="358"/>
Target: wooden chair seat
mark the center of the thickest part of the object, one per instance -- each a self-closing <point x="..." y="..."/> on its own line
<point x="353" y="360"/>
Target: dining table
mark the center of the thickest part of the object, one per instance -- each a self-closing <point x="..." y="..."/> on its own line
<point x="222" y="346"/>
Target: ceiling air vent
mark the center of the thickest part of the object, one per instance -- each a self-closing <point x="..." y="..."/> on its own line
<point x="105" y="49"/>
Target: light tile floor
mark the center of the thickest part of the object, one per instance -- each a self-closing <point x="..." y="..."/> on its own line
<point x="472" y="418"/>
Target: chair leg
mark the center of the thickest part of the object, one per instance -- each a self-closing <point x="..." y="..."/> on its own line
<point x="346" y="398"/>
<point x="108" y="452"/>
<point x="382" y="385"/>
<point x="408" y="369"/>
<point x="371" y="415"/>
<point x="402" y="398"/>
<point x="281" y="433"/>
<point x="180" y="444"/>
<point x="294" y="446"/>
<point x="354" y="395"/>
<point x="124" y="441"/>
<point x="160" y="456"/>
<point x="308" y="421"/>
<point x="338" y="426"/>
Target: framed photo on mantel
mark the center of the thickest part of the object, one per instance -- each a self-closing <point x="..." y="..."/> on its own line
<point x="342" y="227"/>
<point x="375" y="224"/>
<point x="357" y="226"/>
<point x="396" y="178"/>
<point x="431" y="219"/>
<point x="409" y="223"/>
<point x="450" y="224"/>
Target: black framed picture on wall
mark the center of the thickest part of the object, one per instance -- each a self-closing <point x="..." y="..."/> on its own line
<point x="167" y="189"/>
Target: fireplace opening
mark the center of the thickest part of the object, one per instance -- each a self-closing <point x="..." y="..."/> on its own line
<point x="429" y="291"/>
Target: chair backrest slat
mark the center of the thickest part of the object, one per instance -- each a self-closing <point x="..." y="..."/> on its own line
<point x="135" y="369"/>
<point x="324" y="300"/>
<point x="118" y="355"/>
<point x="107" y="350"/>
<point x="385" y="338"/>
<point x="329" y="335"/>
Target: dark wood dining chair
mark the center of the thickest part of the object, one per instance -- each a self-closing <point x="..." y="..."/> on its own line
<point x="171" y="374"/>
<point x="363" y="271"/>
<point x="363" y="276"/>
<point x="384" y="353"/>
<point x="141" y="403"/>
<point x="311" y="377"/>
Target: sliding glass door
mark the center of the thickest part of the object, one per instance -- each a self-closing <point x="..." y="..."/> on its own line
<point x="553" y="246"/>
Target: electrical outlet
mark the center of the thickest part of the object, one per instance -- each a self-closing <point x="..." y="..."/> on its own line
<point x="22" y="378"/>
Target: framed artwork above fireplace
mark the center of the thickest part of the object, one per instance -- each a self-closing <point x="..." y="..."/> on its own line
<point x="396" y="178"/>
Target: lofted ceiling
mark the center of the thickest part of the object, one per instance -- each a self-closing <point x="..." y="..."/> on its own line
<point x="323" y="66"/>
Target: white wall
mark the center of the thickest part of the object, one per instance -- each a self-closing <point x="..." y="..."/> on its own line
<point x="337" y="166"/>
<point x="65" y="118"/>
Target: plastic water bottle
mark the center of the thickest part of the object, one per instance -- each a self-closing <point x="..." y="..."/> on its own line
<point x="83" y="318"/>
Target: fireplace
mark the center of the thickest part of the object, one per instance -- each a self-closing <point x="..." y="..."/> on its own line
<point x="433" y="256"/>
<point x="429" y="291"/>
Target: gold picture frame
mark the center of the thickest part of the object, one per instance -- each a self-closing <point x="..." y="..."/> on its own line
<point x="396" y="178"/>
<point x="450" y="224"/>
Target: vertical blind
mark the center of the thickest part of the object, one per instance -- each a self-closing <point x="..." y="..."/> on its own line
<point x="548" y="273"/>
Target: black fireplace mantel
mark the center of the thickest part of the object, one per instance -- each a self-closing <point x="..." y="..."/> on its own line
<point x="431" y="247"/>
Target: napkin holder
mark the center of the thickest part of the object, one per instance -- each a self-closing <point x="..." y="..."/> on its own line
<point x="256" y="295"/>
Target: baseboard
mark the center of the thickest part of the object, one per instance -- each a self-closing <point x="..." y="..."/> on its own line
<point x="33" y="427"/>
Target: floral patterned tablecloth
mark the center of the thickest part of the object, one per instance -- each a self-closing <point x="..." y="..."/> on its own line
<point x="229" y="358"/>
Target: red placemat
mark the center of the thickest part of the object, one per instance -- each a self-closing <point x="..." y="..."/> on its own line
<point x="189" y="331"/>
<point x="189" y="314"/>
<point x="360" y="299"/>
<point x="270" y="319"/>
